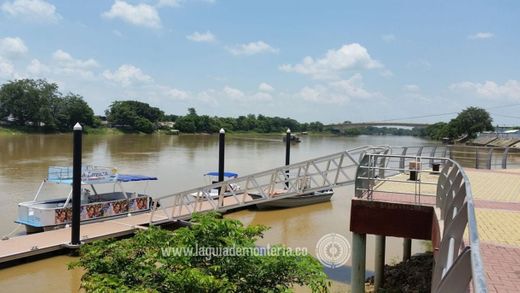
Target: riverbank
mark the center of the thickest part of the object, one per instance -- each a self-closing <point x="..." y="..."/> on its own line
<point x="20" y="130"/>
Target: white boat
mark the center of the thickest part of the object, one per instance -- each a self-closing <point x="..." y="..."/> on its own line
<point x="296" y="201"/>
<point x="41" y="215"/>
<point x="214" y="192"/>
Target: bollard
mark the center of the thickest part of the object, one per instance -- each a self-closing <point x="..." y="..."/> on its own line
<point x="359" y="242"/>
<point x="221" y="146"/>
<point x="287" y="154"/>
<point x="76" y="185"/>
<point x="379" y="267"/>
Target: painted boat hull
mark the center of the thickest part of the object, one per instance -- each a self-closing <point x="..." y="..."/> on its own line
<point x="296" y="201"/>
<point x="38" y="216"/>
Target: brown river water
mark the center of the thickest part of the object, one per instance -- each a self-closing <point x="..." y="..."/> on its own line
<point x="179" y="162"/>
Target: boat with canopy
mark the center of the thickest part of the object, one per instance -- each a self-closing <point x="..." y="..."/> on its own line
<point x="41" y="215"/>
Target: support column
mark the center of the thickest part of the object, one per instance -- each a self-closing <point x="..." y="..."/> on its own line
<point x="407" y="249"/>
<point x="379" y="262"/>
<point x="359" y="242"/>
<point x="76" y="185"/>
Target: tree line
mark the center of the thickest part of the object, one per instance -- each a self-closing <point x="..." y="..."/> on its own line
<point x="38" y="104"/>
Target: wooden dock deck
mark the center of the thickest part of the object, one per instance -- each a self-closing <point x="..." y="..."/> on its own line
<point x="23" y="246"/>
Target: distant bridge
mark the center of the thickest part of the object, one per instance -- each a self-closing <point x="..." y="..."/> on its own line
<point x="343" y="126"/>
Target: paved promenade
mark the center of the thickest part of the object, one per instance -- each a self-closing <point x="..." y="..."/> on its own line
<point x="497" y="202"/>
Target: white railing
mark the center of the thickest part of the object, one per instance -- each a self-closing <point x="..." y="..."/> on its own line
<point x="300" y="178"/>
<point x="456" y="265"/>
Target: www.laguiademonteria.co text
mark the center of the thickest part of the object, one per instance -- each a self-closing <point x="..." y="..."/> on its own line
<point x="209" y="252"/>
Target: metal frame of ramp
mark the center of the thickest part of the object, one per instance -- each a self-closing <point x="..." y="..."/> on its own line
<point x="304" y="177"/>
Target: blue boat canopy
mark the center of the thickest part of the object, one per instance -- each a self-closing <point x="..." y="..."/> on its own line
<point x="226" y="174"/>
<point x="92" y="175"/>
<point x="132" y="178"/>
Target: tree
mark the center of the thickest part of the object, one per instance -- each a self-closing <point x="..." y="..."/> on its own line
<point x="158" y="260"/>
<point x="471" y="121"/>
<point x="28" y="100"/>
<point x="72" y="109"/>
<point x="134" y="115"/>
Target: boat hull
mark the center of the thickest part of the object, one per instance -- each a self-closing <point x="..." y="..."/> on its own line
<point x="296" y="201"/>
<point x="51" y="214"/>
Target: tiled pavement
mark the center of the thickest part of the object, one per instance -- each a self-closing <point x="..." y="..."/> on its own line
<point x="497" y="202"/>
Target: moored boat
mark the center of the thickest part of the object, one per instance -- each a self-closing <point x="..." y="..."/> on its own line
<point x="213" y="178"/>
<point x="296" y="201"/>
<point x="41" y="215"/>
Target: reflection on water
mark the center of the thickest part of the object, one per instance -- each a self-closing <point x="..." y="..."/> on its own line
<point x="178" y="162"/>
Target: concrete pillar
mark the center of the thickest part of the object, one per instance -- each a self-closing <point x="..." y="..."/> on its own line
<point x="359" y="247"/>
<point x="407" y="248"/>
<point x="379" y="262"/>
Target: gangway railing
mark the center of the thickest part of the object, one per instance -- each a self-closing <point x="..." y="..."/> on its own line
<point x="456" y="264"/>
<point x="305" y="177"/>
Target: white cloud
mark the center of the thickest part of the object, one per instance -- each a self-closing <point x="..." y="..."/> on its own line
<point x="177" y="94"/>
<point x="252" y="48"/>
<point x="490" y="89"/>
<point x="6" y="69"/>
<point x="36" y="68"/>
<point x="65" y="63"/>
<point x="233" y="93"/>
<point x="338" y="92"/>
<point x="140" y="14"/>
<point x="207" y="37"/>
<point x="265" y="87"/>
<point x="12" y="47"/>
<point x="239" y="96"/>
<point x="127" y="75"/>
<point x="388" y="38"/>
<point x="481" y="36"/>
<point x="411" y="88"/>
<point x="169" y="3"/>
<point x="34" y="10"/>
<point x="348" y="57"/>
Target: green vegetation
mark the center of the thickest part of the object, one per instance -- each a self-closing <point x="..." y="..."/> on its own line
<point x="28" y="105"/>
<point x="134" y="115"/>
<point x="37" y="104"/>
<point x="147" y="263"/>
<point x="469" y="122"/>
<point x="194" y="123"/>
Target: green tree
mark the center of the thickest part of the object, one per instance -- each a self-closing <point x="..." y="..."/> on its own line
<point x="71" y="109"/>
<point x="471" y="121"/>
<point x="28" y="100"/>
<point x="158" y="260"/>
<point x="134" y="115"/>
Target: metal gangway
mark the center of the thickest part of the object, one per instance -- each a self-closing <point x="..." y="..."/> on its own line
<point x="305" y="177"/>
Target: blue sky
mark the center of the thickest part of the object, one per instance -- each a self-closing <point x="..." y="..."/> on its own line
<point x="311" y="60"/>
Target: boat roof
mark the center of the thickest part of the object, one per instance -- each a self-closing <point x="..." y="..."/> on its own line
<point x="92" y="175"/>
<point x="226" y="174"/>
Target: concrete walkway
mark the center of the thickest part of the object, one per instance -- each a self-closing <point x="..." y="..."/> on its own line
<point x="497" y="202"/>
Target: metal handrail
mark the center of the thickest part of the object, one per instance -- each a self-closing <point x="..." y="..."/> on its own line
<point x="304" y="177"/>
<point x="455" y="267"/>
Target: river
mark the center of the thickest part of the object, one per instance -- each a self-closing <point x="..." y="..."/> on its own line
<point x="179" y="162"/>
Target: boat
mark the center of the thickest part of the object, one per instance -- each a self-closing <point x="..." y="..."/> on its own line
<point x="43" y="215"/>
<point x="294" y="138"/>
<point x="295" y="201"/>
<point x="214" y="192"/>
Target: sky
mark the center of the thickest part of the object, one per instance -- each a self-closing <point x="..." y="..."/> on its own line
<point x="328" y="61"/>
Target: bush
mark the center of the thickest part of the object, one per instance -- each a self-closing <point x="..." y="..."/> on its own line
<point x="144" y="262"/>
